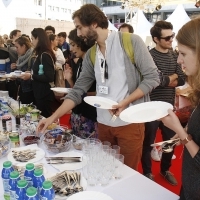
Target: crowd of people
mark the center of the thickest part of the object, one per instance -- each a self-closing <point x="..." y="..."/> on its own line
<point x="146" y="76"/>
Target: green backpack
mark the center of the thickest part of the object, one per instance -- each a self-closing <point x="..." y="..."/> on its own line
<point x="126" y="44"/>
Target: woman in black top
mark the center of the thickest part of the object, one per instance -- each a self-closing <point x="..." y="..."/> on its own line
<point x="83" y="117"/>
<point x="189" y="58"/>
<point x="41" y="81"/>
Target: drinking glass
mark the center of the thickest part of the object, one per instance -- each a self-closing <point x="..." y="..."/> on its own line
<point x="106" y="143"/>
<point x="116" y="148"/>
<point x="119" y="163"/>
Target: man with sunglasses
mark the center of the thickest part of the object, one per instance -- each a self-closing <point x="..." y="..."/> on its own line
<point x="172" y="76"/>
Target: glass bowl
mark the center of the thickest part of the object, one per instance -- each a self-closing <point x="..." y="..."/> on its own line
<point x="28" y="134"/>
<point x="57" y="140"/>
<point x="78" y="143"/>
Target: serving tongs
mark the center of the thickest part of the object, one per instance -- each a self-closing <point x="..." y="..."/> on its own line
<point x="62" y="160"/>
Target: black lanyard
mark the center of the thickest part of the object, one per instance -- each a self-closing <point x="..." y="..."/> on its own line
<point x="106" y="68"/>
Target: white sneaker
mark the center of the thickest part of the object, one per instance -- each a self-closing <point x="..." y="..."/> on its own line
<point x="173" y="157"/>
<point x="154" y="154"/>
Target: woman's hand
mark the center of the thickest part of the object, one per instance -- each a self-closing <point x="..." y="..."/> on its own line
<point x="13" y="66"/>
<point x="43" y="124"/>
<point x="68" y="72"/>
<point x="26" y="76"/>
<point x="172" y="121"/>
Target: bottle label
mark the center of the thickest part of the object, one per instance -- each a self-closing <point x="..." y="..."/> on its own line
<point x="43" y="198"/>
<point x="9" y="125"/>
<point x="14" y="137"/>
<point x="6" y="195"/>
<point x="29" y="181"/>
<point x="12" y="195"/>
<point x="6" y="185"/>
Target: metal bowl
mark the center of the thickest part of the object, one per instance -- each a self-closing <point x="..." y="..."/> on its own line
<point x="57" y="140"/>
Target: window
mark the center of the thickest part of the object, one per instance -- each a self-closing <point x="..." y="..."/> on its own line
<point x="39" y="2"/>
<point x="57" y="9"/>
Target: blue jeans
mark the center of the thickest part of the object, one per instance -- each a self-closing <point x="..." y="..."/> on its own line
<point x="149" y="138"/>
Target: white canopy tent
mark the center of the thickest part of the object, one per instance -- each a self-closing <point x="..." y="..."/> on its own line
<point x="111" y="26"/>
<point x="141" y="25"/>
<point x="178" y="18"/>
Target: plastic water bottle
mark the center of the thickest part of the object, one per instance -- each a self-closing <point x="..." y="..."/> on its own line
<point x="41" y="71"/>
<point x="5" y="174"/>
<point x="21" y="189"/>
<point x="14" y="177"/>
<point x="38" y="179"/>
<point x="28" y="174"/>
<point x="31" y="194"/>
<point x="47" y="192"/>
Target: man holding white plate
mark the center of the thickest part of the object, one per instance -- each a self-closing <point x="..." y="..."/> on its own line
<point x="172" y="76"/>
<point x="117" y="80"/>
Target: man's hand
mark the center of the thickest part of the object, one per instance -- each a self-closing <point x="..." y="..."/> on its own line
<point x="117" y="109"/>
<point x="43" y="124"/>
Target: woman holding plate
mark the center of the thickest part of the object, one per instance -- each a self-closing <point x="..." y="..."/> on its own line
<point x="83" y="117"/>
<point x="24" y="63"/>
<point x="189" y="58"/>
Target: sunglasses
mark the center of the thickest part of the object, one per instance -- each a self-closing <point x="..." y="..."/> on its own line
<point x="167" y="38"/>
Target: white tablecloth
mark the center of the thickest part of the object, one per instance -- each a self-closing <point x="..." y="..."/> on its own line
<point x="132" y="186"/>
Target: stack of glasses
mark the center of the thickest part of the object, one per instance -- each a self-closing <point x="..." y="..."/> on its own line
<point x="104" y="162"/>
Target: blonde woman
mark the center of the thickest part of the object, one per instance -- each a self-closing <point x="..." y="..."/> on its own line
<point x="189" y="57"/>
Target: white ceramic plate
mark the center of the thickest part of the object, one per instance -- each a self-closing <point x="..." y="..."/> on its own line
<point x="39" y="154"/>
<point x="83" y="183"/>
<point x="100" y="102"/>
<point x="90" y="195"/>
<point x="160" y="143"/>
<point x="8" y="75"/>
<point x="61" y="90"/>
<point x="70" y="166"/>
<point x="145" y="112"/>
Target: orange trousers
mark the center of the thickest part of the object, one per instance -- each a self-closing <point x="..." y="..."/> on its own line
<point x="129" y="138"/>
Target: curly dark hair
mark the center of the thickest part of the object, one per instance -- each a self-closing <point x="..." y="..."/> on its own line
<point x="158" y="27"/>
<point x="79" y="41"/>
<point x="89" y="14"/>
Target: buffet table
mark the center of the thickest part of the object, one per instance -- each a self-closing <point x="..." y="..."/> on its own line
<point x="132" y="185"/>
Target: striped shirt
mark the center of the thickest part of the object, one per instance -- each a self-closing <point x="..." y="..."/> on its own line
<point x="167" y="64"/>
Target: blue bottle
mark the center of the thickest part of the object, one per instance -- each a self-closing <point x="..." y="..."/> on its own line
<point x="5" y="174"/>
<point x="47" y="192"/>
<point x="41" y="71"/>
<point x="14" y="177"/>
<point x="38" y="179"/>
<point x="31" y="194"/>
<point x="28" y="174"/>
<point x="21" y="189"/>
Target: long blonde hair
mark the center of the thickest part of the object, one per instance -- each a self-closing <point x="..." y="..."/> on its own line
<point x="189" y="36"/>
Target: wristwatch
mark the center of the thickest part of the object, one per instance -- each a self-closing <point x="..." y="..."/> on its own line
<point x="187" y="139"/>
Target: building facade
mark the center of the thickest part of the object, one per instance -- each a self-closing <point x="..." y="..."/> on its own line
<point x="116" y="14"/>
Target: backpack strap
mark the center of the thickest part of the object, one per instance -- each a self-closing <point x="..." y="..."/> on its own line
<point x="93" y="53"/>
<point x="126" y="43"/>
<point x="128" y="47"/>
